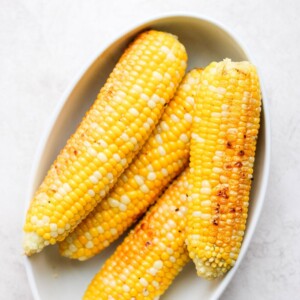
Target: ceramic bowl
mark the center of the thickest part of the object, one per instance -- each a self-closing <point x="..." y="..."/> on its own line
<point x="54" y="277"/>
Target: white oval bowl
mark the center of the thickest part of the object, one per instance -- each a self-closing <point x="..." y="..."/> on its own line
<point x="54" y="277"/>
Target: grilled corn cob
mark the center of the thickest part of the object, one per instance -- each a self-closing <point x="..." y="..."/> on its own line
<point x="121" y="119"/>
<point x="163" y="156"/>
<point x="223" y="142"/>
<point x="151" y="256"/>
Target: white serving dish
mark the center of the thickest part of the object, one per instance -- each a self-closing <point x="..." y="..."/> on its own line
<point x="54" y="277"/>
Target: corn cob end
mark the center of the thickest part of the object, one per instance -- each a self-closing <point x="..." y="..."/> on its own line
<point x="235" y="67"/>
<point x="33" y="243"/>
<point x="206" y="270"/>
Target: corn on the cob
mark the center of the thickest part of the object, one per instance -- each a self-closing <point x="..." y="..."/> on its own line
<point x="163" y="156"/>
<point x="223" y="142"/>
<point x="123" y="116"/>
<point x="153" y="253"/>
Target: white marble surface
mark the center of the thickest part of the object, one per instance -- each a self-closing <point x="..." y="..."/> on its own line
<point x="43" y="44"/>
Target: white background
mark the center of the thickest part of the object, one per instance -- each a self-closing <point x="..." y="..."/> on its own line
<point x="44" y="44"/>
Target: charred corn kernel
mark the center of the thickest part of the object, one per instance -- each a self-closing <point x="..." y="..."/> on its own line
<point x="107" y="139"/>
<point x="223" y="146"/>
<point x="144" y="179"/>
<point x="153" y="253"/>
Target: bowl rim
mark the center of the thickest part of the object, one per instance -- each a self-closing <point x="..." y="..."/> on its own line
<point x="59" y="106"/>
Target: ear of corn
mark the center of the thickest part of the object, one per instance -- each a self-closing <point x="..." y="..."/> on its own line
<point x="151" y="256"/>
<point x="107" y="139"/>
<point x="160" y="160"/>
<point x="223" y="142"/>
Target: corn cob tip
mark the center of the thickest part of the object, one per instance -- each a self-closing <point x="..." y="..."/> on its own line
<point x="240" y="66"/>
<point x="208" y="271"/>
<point x="33" y="243"/>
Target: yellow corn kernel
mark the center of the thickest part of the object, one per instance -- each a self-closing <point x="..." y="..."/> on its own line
<point x="151" y="256"/>
<point x="107" y="139"/>
<point x="145" y="178"/>
<point x="222" y="154"/>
